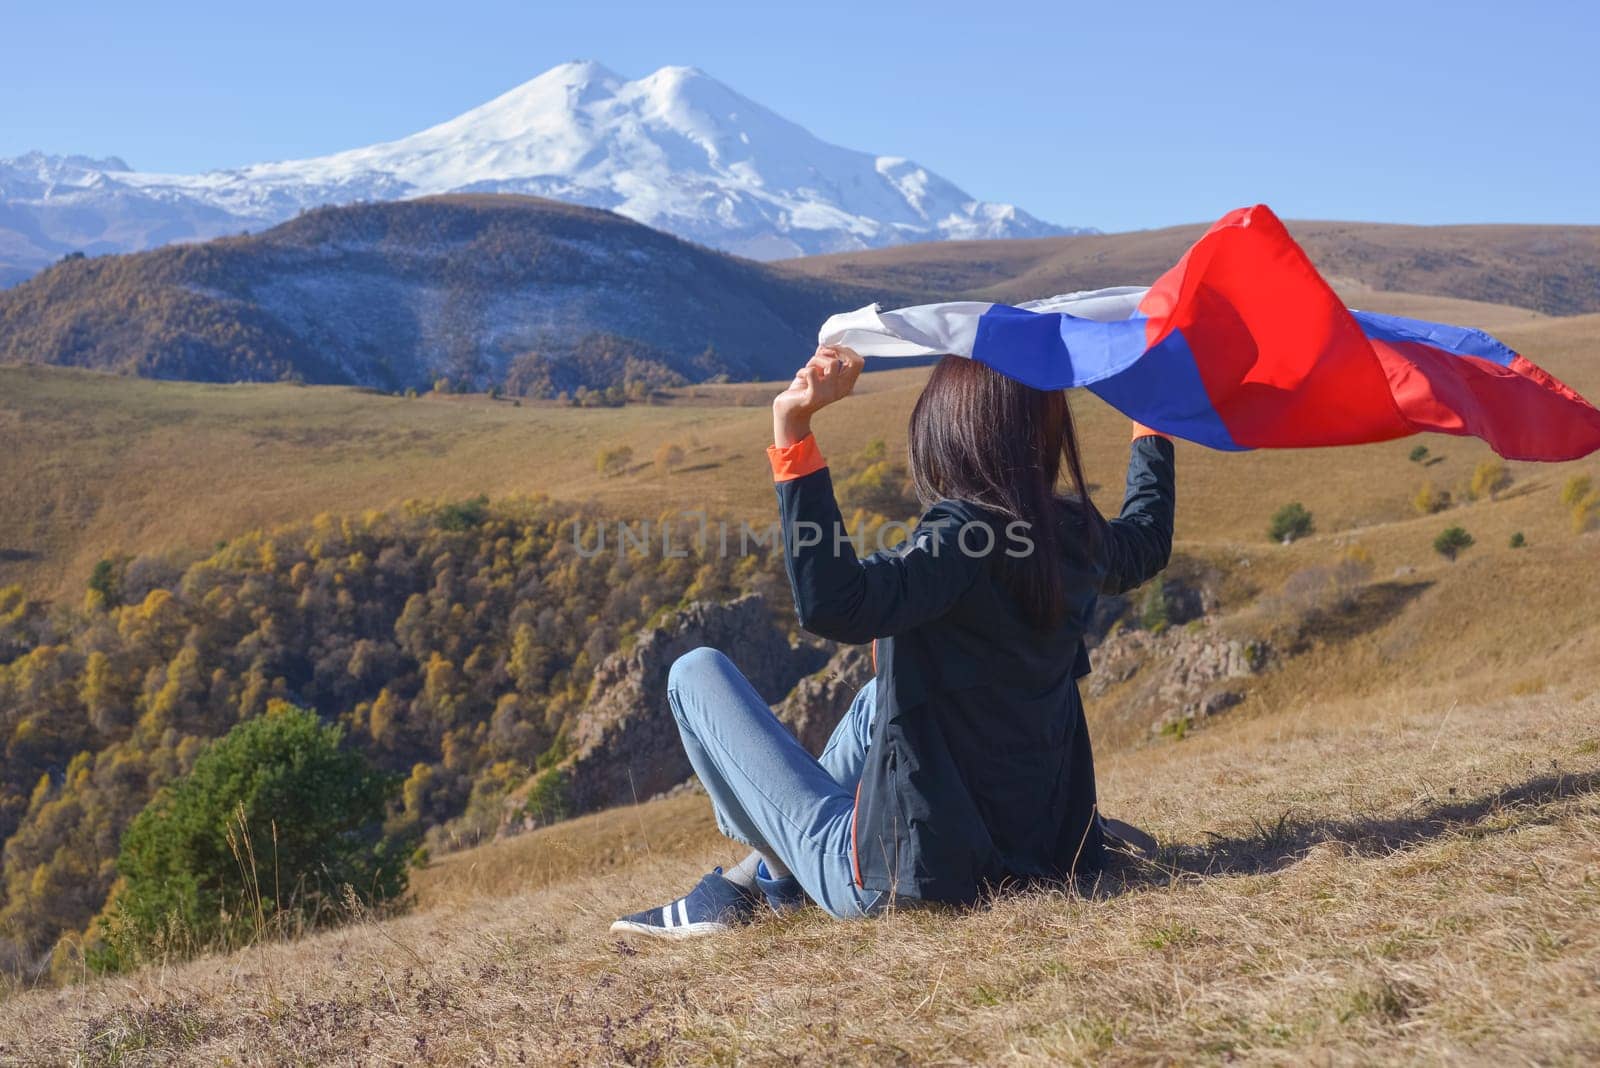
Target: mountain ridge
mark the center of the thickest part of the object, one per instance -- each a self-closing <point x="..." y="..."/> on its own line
<point x="676" y="149"/>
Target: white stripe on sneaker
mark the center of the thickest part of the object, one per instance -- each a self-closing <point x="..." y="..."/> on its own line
<point x="683" y="911"/>
<point x="666" y="917"/>
<point x="676" y="934"/>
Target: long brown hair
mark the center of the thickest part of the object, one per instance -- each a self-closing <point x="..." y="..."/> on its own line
<point x="979" y="436"/>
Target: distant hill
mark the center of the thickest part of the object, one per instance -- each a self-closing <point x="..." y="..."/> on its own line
<point x="538" y="297"/>
<point x="1552" y="269"/>
<point x="486" y="290"/>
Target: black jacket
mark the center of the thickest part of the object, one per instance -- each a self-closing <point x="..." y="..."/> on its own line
<point x="980" y="771"/>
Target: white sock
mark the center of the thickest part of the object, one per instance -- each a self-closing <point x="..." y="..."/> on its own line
<point x="744" y="873"/>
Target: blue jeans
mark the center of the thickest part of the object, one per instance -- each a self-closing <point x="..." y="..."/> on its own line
<point x="766" y="790"/>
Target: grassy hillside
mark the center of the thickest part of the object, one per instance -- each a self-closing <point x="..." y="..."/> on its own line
<point x="529" y="295"/>
<point x="1554" y="269"/>
<point x="97" y="464"/>
<point x="1409" y="880"/>
<point x="1385" y="848"/>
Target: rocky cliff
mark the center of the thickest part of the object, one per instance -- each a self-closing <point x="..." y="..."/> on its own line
<point x="625" y="744"/>
<point x="815" y="705"/>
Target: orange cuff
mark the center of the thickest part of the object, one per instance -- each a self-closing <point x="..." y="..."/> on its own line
<point x="790" y="462"/>
<point x="1142" y="431"/>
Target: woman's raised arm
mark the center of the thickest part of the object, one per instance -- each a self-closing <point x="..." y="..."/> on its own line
<point x="1138" y="542"/>
<point x="837" y="594"/>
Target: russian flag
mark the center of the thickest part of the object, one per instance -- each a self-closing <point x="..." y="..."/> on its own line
<point x="1243" y="345"/>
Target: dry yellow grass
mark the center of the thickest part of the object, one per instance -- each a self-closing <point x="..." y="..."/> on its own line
<point x="1407" y="879"/>
<point x="1494" y="318"/>
<point x="1390" y="851"/>
<point x="1546" y="267"/>
<point x="95" y="464"/>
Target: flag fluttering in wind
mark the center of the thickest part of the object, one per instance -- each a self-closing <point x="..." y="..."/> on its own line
<point x="1243" y="345"/>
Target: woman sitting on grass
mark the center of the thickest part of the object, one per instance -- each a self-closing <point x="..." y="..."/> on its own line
<point x="964" y="765"/>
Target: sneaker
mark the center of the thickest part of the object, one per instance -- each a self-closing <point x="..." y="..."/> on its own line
<point x="783" y="895"/>
<point x="715" y="905"/>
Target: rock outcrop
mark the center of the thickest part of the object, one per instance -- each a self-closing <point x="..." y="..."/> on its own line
<point x="817" y="702"/>
<point x="1180" y="674"/>
<point x="625" y="745"/>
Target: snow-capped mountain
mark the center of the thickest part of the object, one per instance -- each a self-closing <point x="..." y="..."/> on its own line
<point x="676" y="150"/>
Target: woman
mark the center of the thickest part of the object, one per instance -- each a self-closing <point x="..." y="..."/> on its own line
<point x="964" y="765"/>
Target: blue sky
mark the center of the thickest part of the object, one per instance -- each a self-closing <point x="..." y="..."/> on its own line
<point x="1113" y="115"/>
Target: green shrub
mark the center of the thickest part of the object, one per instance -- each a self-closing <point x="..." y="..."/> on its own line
<point x="107" y="582"/>
<point x="1419" y="454"/>
<point x="1518" y="541"/>
<point x="464" y="515"/>
<point x="1290" y="522"/>
<point x="275" y="825"/>
<point x="1451" y="542"/>
<point x="547" y="797"/>
<point x="1153" y="607"/>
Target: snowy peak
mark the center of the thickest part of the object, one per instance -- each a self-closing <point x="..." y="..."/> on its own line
<point x="41" y="175"/>
<point x="526" y="115"/>
<point x="675" y="149"/>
